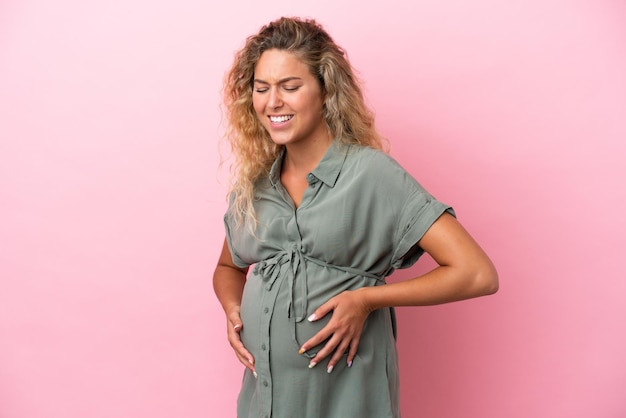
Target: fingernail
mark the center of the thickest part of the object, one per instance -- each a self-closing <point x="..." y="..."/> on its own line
<point x="330" y="369"/>
<point x="302" y="350"/>
<point x="312" y="318"/>
<point x="256" y="376"/>
<point x="312" y="364"/>
<point x="350" y="363"/>
<point x="250" y="361"/>
<point x="236" y="327"/>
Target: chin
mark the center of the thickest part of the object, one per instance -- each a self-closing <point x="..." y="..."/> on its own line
<point x="281" y="140"/>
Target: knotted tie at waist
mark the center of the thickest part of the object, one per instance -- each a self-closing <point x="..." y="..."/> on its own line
<point x="289" y="262"/>
<point x="270" y="269"/>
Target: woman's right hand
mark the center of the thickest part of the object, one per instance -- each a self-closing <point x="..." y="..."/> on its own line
<point x="235" y="326"/>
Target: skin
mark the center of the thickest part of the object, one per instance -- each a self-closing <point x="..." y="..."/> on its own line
<point x="284" y="86"/>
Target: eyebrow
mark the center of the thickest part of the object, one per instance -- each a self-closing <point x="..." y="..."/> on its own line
<point x="282" y="80"/>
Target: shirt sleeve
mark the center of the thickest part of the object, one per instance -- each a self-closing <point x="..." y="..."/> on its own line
<point x="421" y="210"/>
<point x="231" y="240"/>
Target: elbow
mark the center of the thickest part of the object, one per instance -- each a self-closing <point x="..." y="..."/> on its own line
<point x="487" y="281"/>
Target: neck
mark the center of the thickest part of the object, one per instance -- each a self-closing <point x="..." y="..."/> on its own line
<point x="303" y="158"/>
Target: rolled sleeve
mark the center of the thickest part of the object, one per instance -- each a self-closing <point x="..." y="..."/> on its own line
<point x="420" y="212"/>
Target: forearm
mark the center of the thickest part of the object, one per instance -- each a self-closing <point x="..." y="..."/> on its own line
<point x="442" y="285"/>
<point x="228" y="285"/>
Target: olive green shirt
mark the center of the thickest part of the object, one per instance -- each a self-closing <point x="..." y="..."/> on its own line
<point x="360" y="218"/>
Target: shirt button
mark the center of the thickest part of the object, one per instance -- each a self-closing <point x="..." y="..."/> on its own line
<point x="310" y="178"/>
<point x="265" y="383"/>
<point x="263" y="347"/>
<point x="266" y="310"/>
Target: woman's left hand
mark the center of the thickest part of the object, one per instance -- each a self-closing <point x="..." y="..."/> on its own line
<point x="343" y="331"/>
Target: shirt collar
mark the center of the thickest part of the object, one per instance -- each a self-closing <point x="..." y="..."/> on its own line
<point x="327" y="170"/>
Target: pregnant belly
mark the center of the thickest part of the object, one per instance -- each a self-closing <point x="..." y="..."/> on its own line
<point x="267" y="321"/>
<point x="267" y="318"/>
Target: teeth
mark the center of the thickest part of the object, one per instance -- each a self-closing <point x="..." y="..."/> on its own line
<point x="279" y="119"/>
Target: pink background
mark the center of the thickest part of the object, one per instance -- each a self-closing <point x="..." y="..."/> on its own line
<point x="111" y="199"/>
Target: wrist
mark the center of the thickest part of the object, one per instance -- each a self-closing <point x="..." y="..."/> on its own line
<point x="232" y="309"/>
<point x="368" y="300"/>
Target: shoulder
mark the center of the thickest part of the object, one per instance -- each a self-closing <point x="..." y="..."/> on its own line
<point x="373" y="158"/>
<point x="375" y="164"/>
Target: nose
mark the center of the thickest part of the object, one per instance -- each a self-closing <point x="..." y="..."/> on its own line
<point x="275" y="99"/>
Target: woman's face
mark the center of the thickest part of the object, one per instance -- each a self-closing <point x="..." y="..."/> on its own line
<point x="288" y="100"/>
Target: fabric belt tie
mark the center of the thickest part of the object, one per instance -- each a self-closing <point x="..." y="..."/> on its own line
<point x="270" y="270"/>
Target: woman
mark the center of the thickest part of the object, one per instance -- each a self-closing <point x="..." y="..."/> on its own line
<point x="324" y="215"/>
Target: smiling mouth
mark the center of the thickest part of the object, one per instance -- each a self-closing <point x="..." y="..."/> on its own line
<point x="280" y="119"/>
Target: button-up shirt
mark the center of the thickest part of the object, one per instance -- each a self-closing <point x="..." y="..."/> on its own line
<point x="360" y="218"/>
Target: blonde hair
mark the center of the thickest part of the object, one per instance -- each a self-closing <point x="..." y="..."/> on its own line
<point x="346" y="115"/>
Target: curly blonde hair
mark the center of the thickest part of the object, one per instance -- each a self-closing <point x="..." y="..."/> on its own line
<point x="346" y="115"/>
